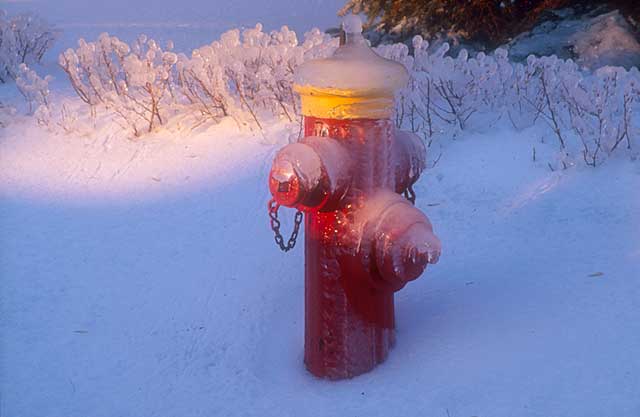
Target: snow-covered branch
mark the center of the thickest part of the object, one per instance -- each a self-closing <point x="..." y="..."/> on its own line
<point x="588" y="113"/>
<point x="135" y="83"/>
<point x="243" y="75"/>
<point x="24" y="39"/>
<point x="248" y="75"/>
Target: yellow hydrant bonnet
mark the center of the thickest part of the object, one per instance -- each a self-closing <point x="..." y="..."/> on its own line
<point x="354" y="83"/>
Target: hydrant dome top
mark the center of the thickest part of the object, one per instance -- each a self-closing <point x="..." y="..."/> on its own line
<point x="354" y="69"/>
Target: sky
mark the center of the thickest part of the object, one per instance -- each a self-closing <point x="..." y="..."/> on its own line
<point x="215" y="13"/>
<point x="190" y="25"/>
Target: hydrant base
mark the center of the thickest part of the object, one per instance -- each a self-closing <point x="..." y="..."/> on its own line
<point x="349" y="325"/>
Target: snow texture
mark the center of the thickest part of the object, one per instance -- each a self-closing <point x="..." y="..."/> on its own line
<point x="593" y="40"/>
<point x="141" y="278"/>
<point x="588" y="114"/>
<point x="607" y="40"/>
<point x="24" y="39"/>
<point x="345" y="69"/>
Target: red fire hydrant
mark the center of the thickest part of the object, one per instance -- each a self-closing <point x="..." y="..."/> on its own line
<point x="363" y="239"/>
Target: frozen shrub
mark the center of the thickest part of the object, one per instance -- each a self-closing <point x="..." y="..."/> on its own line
<point x="242" y="75"/>
<point x="591" y="114"/>
<point x="133" y="82"/>
<point x="600" y="109"/>
<point x="33" y="88"/>
<point x="248" y="75"/>
<point x="24" y="39"/>
<point x="249" y="72"/>
<point x="443" y="91"/>
<point x="7" y="114"/>
<point x="202" y="81"/>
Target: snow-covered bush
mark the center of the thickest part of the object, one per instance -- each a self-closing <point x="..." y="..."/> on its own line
<point x="242" y="75"/>
<point x="33" y="88"/>
<point x="600" y="109"/>
<point x="249" y="72"/>
<point x="133" y="82"/>
<point x="588" y="113"/>
<point x="202" y="81"/>
<point x="7" y="114"/>
<point x="248" y="75"/>
<point x="24" y="39"/>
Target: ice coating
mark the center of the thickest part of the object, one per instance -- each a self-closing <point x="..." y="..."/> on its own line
<point x="410" y="157"/>
<point x="396" y="236"/>
<point x="335" y="162"/>
<point x="364" y="240"/>
<point x="310" y="174"/>
<point x="305" y="163"/>
<point x="354" y="69"/>
<point x="296" y="170"/>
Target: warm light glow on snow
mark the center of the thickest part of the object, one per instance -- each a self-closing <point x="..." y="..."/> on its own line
<point x="111" y="167"/>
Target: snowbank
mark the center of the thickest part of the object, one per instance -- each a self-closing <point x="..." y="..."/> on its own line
<point x="593" y="40"/>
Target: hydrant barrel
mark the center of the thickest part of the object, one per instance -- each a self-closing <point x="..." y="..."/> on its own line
<point x="363" y="241"/>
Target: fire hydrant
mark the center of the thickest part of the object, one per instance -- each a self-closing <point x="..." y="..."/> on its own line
<point x="363" y="239"/>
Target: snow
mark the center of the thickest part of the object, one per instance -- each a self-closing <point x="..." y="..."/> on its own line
<point x="194" y="23"/>
<point x="594" y="39"/>
<point x="140" y="278"/>
<point x="344" y="70"/>
<point x="607" y="40"/>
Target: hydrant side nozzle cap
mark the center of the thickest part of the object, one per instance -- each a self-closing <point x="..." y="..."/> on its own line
<point x="354" y="69"/>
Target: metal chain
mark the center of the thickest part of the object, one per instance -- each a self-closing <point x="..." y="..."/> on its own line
<point x="410" y="195"/>
<point x="275" y="226"/>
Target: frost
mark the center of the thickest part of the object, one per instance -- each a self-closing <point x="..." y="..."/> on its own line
<point x="24" y="39"/>
<point x="249" y="75"/>
<point x="588" y="113"/>
<point x="34" y="89"/>
<point x="399" y="237"/>
<point x="305" y="163"/>
<point x="592" y="39"/>
<point x="242" y="75"/>
<point x="345" y="69"/>
<point x="134" y="82"/>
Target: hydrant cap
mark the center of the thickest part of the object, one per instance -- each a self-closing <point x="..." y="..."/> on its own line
<point x="354" y="70"/>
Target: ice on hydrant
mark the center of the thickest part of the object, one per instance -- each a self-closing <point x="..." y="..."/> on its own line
<point x="363" y="239"/>
<point x="354" y="69"/>
<point x="305" y="173"/>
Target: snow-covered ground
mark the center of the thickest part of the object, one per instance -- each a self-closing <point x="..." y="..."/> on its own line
<point x="140" y="278"/>
<point x="593" y="39"/>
